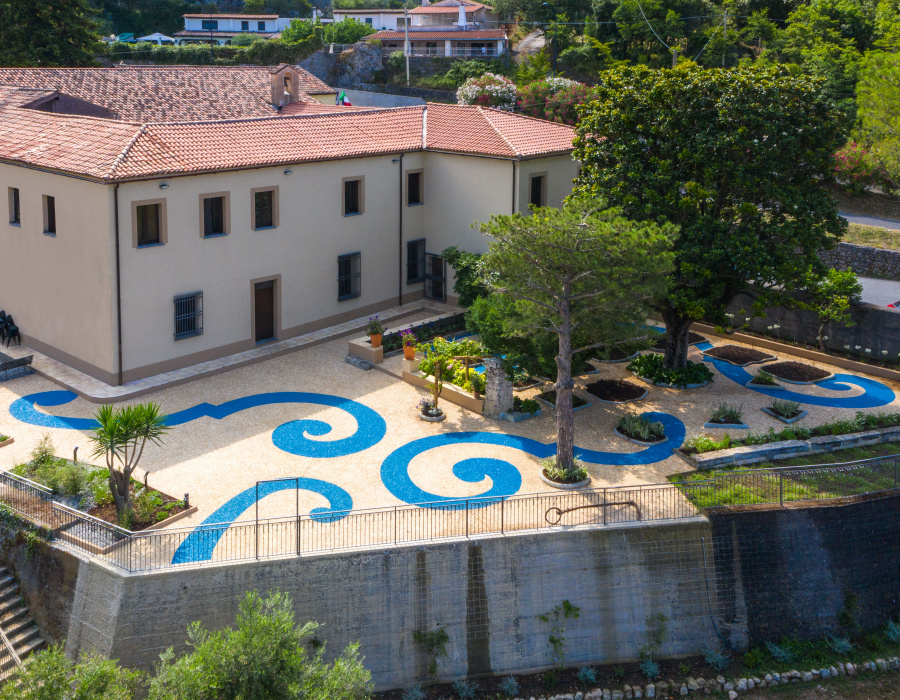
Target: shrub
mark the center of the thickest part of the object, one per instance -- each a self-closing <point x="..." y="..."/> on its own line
<point x="651" y="367"/>
<point x="396" y="61"/>
<point x="443" y="350"/>
<point x="640" y="428"/>
<point x="146" y="503"/>
<point x="525" y="405"/>
<point x="414" y="693"/>
<point x="716" y="659"/>
<point x="43" y="453"/>
<point x="779" y="653"/>
<point x="533" y="97"/>
<point x="754" y="658"/>
<point x="840" y="645"/>
<point x="509" y="686"/>
<point x="650" y="669"/>
<point x="557" y="473"/>
<point x="763" y="377"/>
<point x="725" y="413"/>
<point x="489" y="90"/>
<point x="785" y="409"/>
<point x="465" y="689"/>
<point x="563" y="108"/>
<point x="856" y="169"/>
<point x="587" y="675"/>
<point x="892" y="632"/>
<point x="700" y="443"/>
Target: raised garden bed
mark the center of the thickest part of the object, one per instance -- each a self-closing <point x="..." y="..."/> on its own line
<point x="5" y="440"/>
<point x="639" y="440"/>
<point x="425" y="332"/>
<point x="565" y="485"/>
<point x="798" y="372"/>
<point x="739" y="425"/>
<point x="527" y="383"/>
<point x="523" y="409"/>
<point x="792" y="418"/>
<point x="616" y="391"/>
<point x="549" y="398"/>
<point x="738" y="355"/>
<point x="649" y="368"/>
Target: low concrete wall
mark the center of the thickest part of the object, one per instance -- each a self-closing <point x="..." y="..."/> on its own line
<point x="365" y="98"/>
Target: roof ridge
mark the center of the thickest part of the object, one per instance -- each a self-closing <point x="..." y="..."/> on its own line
<point x="512" y="148"/>
<point x="124" y="152"/>
<point x="275" y="117"/>
<point x="528" y="116"/>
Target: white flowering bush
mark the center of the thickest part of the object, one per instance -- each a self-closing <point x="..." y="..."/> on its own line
<point x="489" y="90"/>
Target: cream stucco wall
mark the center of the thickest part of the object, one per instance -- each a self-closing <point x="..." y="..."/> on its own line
<point x="60" y="289"/>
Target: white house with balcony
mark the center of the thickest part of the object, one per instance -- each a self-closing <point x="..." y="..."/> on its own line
<point x="447" y="28"/>
<point x="203" y="28"/>
<point x="378" y="19"/>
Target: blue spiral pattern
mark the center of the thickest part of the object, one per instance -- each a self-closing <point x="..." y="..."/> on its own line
<point x="506" y="479"/>
<point x="199" y="545"/>
<point x="292" y="437"/>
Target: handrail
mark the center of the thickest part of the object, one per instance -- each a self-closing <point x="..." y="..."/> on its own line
<point x="33" y="484"/>
<point x="10" y="648"/>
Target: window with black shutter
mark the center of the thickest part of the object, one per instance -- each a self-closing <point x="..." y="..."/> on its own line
<point x="213" y="216"/>
<point x="415" y="261"/>
<point x="352" y="201"/>
<point x="148" y="224"/>
<point x="414" y="188"/>
<point x="49" y="215"/>
<point x="188" y="315"/>
<point x="349" y="273"/>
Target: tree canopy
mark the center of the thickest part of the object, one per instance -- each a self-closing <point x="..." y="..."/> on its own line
<point x="879" y="111"/>
<point x="48" y="34"/>
<point x="583" y="276"/>
<point x="736" y="159"/>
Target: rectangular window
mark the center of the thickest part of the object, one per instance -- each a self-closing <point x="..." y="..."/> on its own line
<point x="245" y="26"/>
<point x="49" y="215"/>
<point x="148" y="225"/>
<point x="537" y="194"/>
<point x="353" y="203"/>
<point x="369" y="21"/>
<point x="349" y="273"/>
<point x="264" y="209"/>
<point x="214" y="216"/>
<point x="415" y="261"/>
<point x="15" y="212"/>
<point x="414" y="188"/>
<point x="261" y="26"/>
<point x="188" y="315"/>
<point x="401" y="23"/>
<point x="210" y="24"/>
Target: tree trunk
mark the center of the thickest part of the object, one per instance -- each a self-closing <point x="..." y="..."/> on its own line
<point x="677" y="329"/>
<point x="118" y="487"/>
<point x="822" y="337"/>
<point x="565" y="414"/>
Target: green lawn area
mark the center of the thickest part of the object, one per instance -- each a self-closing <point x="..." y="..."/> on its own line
<point x="873" y="236"/>
<point x="754" y="484"/>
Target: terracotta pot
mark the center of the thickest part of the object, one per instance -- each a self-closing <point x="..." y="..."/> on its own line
<point x="409" y="352"/>
<point x="376" y="340"/>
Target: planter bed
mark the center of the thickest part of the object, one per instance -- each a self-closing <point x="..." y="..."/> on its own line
<point x="559" y="485"/>
<point x="97" y="540"/>
<point x="528" y="385"/>
<point x="449" y="327"/>
<point x="616" y="391"/>
<point x="798" y="373"/>
<point x="738" y="355"/>
<point x="668" y="385"/>
<point x="752" y="454"/>
<point x="638" y="441"/>
<point x="450" y="392"/>
<point x="549" y="398"/>
<point x="4" y="441"/>
<point x="726" y="426"/>
<point x="793" y="419"/>
<point x="516" y="416"/>
<point x="773" y="387"/>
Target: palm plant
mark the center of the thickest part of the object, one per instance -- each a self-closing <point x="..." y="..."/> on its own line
<point x="120" y="438"/>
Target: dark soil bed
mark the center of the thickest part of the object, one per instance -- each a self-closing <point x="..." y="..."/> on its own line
<point x="663" y="339"/>
<point x="615" y="390"/>
<point x="737" y="355"/>
<point x="796" y="372"/>
<point x="724" y="422"/>
<point x="530" y="381"/>
<point x="169" y="508"/>
<point x="614" y="354"/>
<point x="550" y="397"/>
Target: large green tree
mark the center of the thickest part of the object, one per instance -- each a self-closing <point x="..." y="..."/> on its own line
<point x="582" y="273"/>
<point x="736" y="159"/>
<point x="264" y="658"/>
<point x="49" y="675"/>
<point x="47" y="33"/>
<point x="879" y="111"/>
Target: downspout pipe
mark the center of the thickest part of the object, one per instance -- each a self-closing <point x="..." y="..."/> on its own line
<point x="118" y="282"/>
<point x="400" y="238"/>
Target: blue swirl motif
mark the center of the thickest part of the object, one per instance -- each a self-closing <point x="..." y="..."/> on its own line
<point x="292" y="437"/>
<point x="200" y="543"/>
<point x="505" y="478"/>
<point x="874" y="394"/>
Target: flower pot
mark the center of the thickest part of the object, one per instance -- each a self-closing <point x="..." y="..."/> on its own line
<point x="432" y="419"/>
<point x="409" y="352"/>
<point x="376" y="340"/>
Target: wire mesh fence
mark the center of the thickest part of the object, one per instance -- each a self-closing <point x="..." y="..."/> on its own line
<point x="460" y="518"/>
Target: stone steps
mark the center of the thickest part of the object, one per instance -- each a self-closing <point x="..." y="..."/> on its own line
<point x="16" y="623"/>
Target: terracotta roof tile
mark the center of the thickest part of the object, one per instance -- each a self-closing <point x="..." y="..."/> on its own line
<point x="113" y="150"/>
<point x="456" y="34"/>
<point x="165" y="93"/>
<point x="15" y="96"/>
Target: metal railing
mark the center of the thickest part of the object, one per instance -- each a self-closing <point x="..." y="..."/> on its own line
<point x="449" y="519"/>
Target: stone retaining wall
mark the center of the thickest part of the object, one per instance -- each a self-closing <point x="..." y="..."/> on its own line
<point x="863" y="260"/>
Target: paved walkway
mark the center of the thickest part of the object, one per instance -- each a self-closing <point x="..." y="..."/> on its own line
<point x="96" y="390"/>
<point x="891" y="224"/>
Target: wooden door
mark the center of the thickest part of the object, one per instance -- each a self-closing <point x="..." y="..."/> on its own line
<point x="264" y="306"/>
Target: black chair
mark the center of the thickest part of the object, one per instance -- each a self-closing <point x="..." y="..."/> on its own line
<point x="3" y="324"/>
<point x="12" y="331"/>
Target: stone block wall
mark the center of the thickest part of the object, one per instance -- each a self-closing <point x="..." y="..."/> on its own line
<point x="863" y="260"/>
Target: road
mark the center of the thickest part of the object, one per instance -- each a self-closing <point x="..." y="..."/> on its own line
<point x="531" y="44"/>
<point x="871" y="221"/>
<point x="879" y="292"/>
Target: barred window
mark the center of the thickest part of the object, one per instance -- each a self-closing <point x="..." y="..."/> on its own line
<point x="188" y="315"/>
<point x="349" y="273"/>
<point x="415" y="261"/>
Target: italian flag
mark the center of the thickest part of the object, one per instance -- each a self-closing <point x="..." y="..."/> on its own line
<point x="342" y="99"/>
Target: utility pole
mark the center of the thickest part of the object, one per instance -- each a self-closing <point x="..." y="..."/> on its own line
<point x="725" y="33"/>
<point x="212" y="56"/>
<point x="674" y="57"/>
<point x="406" y="45"/>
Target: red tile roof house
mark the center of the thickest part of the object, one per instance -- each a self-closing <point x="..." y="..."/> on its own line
<point x="188" y="218"/>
